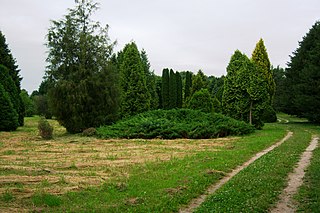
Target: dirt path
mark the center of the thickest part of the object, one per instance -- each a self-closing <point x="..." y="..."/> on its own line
<point x="286" y="203"/>
<point x="195" y="203"/>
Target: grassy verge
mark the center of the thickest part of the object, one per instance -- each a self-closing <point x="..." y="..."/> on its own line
<point x="162" y="186"/>
<point x="256" y="188"/>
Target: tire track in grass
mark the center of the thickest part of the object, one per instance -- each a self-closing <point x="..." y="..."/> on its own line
<point x="195" y="203"/>
<point x="295" y="180"/>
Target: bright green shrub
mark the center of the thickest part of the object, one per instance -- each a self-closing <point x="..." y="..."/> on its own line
<point x="201" y="100"/>
<point x="176" y="123"/>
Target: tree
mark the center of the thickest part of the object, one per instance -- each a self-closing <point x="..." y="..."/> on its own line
<point x="85" y="91"/>
<point x="7" y="60"/>
<point x="28" y="103"/>
<point x="135" y="96"/>
<point x="172" y="90"/>
<point x="41" y="100"/>
<point x="179" y="90"/>
<point x="261" y="60"/>
<point x="201" y="100"/>
<point x="165" y="89"/>
<point x="8" y="115"/>
<point x="280" y="97"/>
<point x="150" y="80"/>
<point x="302" y="81"/>
<point x="199" y="82"/>
<point x="245" y="91"/>
<point x="188" y="85"/>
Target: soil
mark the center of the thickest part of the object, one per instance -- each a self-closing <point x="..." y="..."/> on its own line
<point x="195" y="203"/>
<point x="295" y="180"/>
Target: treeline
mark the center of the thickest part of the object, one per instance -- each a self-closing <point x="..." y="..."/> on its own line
<point x="87" y="85"/>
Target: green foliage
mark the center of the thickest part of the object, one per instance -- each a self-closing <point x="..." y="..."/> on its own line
<point x="8" y="115"/>
<point x="176" y="123"/>
<point x="28" y="103"/>
<point x="261" y="60"/>
<point x="85" y="92"/>
<point x="201" y="100"/>
<point x="172" y="90"/>
<point x="45" y="199"/>
<point x="179" y="90"/>
<point x="7" y="60"/>
<point x="199" y="81"/>
<point x="188" y="85"/>
<point x="303" y="78"/>
<point x="45" y="129"/>
<point x="89" y="132"/>
<point x="280" y="97"/>
<point x="165" y="89"/>
<point x="135" y="96"/>
<point x="216" y="86"/>
<point x="245" y="94"/>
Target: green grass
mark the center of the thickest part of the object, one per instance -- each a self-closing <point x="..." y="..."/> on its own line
<point x="256" y="188"/>
<point x="165" y="186"/>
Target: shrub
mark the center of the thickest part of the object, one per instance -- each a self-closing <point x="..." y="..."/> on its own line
<point x="175" y="123"/>
<point x="45" y="129"/>
<point x="201" y="100"/>
<point x="89" y="132"/>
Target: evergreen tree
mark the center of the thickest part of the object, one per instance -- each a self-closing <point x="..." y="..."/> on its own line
<point x="28" y="103"/>
<point x="188" y="85"/>
<point x="135" y="97"/>
<point x="199" y="81"/>
<point x="8" y="115"/>
<point x="172" y="90"/>
<point x="85" y="92"/>
<point x="201" y="100"/>
<point x="280" y="97"/>
<point x="179" y="90"/>
<point x="245" y="91"/>
<point x="303" y="77"/>
<point x="150" y="80"/>
<point x="261" y="60"/>
<point x="165" y="89"/>
<point x="7" y="60"/>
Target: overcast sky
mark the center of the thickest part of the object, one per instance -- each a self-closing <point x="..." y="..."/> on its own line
<point x="178" y="34"/>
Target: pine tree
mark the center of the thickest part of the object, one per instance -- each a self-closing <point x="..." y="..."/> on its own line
<point x="302" y="81"/>
<point x="179" y="90"/>
<point x="165" y="89"/>
<point x="7" y="60"/>
<point x="135" y="97"/>
<point x="85" y="91"/>
<point x="8" y="115"/>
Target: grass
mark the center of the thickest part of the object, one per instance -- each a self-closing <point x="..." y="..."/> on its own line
<point x="165" y="186"/>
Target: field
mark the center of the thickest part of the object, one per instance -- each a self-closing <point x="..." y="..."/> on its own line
<point x="76" y="173"/>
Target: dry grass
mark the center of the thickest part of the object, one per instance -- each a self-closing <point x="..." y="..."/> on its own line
<point x="29" y="164"/>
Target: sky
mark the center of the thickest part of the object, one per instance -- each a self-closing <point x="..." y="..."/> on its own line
<point x="178" y="34"/>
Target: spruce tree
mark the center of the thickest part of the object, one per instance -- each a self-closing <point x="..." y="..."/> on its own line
<point x="135" y="96"/>
<point x="8" y="115"/>
<point x="302" y="81"/>
<point x="85" y="91"/>
<point x="165" y="89"/>
<point x="7" y="60"/>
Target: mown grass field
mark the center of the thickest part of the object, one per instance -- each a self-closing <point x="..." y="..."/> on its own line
<point x="81" y="174"/>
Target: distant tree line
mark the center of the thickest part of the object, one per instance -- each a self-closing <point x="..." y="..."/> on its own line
<point x="87" y="85"/>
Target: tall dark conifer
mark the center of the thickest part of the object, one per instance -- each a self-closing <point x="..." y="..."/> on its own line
<point x="179" y="90"/>
<point x="165" y="89"/>
<point x="188" y="85"/>
<point x="172" y="90"/>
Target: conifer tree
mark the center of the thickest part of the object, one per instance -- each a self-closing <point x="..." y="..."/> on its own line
<point x="199" y="82"/>
<point x="188" y="85"/>
<point x="172" y="90"/>
<point x="302" y="82"/>
<point x="179" y="90"/>
<point x="165" y="89"/>
<point x="8" y="115"/>
<point x="85" y="91"/>
<point x="135" y="96"/>
<point x="7" y="60"/>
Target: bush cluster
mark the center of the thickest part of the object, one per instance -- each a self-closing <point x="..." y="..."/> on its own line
<point x="45" y="129"/>
<point x="176" y="123"/>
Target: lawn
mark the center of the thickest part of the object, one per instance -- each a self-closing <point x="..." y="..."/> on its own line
<point x="75" y="173"/>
